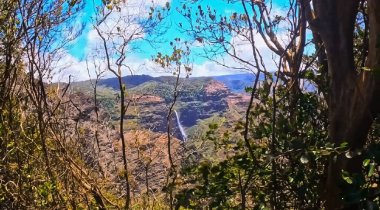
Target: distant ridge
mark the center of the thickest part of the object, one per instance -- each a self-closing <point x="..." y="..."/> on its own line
<point x="235" y="82"/>
<point x="130" y="81"/>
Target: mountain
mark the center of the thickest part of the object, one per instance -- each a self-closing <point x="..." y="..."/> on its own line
<point x="236" y="83"/>
<point x="202" y="103"/>
<point x="199" y="99"/>
<point x="130" y="81"/>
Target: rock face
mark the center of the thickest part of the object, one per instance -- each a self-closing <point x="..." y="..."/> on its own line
<point x="145" y="127"/>
<point x="205" y="100"/>
<point x="150" y="112"/>
<point x="199" y="99"/>
<point x="215" y="90"/>
<point x="212" y="100"/>
<point x="99" y="146"/>
<point x="238" y="100"/>
<point x="148" y="160"/>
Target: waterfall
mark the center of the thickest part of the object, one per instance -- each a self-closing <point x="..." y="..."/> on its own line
<point x="184" y="137"/>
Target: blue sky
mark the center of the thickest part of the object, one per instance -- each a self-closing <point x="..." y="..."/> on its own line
<point x="174" y="19"/>
<point x="78" y="50"/>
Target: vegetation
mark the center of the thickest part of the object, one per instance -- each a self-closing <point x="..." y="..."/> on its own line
<point x="305" y="134"/>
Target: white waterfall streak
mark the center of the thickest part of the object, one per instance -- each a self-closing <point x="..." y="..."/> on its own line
<point x="181" y="129"/>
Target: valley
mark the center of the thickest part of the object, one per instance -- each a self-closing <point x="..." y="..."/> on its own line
<point x="200" y="99"/>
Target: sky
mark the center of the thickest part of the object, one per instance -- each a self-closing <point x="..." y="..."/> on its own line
<point x="80" y="55"/>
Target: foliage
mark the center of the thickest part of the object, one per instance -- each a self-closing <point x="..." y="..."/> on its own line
<point x="296" y="154"/>
<point x="37" y="170"/>
<point x="309" y="137"/>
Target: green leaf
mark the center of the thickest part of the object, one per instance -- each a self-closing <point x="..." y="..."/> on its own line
<point x="346" y="177"/>
<point x="343" y="145"/>
<point x="291" y="179"/>
<point x="309" y="74"/>
<point x="10" y="144"/>
<point x="366" y="162"/>
<point x="325" y="153"/>
<point x="366" y="68"/>
<point x="248" y="89"/>
<point x="329" y="146"/>
<point x="371" y="169"/>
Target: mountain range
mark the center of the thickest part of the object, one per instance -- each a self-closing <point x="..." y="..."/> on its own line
<point x="235" y="82"/>
<point x="203" y="104"/>
<point x="201" y="100"/>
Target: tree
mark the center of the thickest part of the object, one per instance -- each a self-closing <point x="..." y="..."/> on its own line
<point x="353" y="92"/>
<point x="32" y="175"/>
<point x="284" y="34"/>
<point x="117" y="26"/>
<point x="345" y="74"/>
<point x="178" y="64"/>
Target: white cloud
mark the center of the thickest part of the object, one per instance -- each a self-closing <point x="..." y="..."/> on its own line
<point x="127" y="20"/>
<point x="210" y="68"/>
<point x="129" y="23"/>
<point x="240" y="57"/>
<point x="78" y="69"/>
<point x="126" y="24"/>
<point x="69" y="66"/>
<point x="161" y="3"/>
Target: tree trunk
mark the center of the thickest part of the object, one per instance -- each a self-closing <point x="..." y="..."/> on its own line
<point x="373" y="60"/>
<point x="352" y="96"/>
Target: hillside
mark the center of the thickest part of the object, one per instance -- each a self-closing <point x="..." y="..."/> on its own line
<point x="202" y="102"/>
<point x="200" y="98"/>
<point x="236" y="82"/>
<point x="100" y="147"/>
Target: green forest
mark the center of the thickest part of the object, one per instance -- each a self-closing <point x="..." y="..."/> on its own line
<point x="190" y="104"/>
